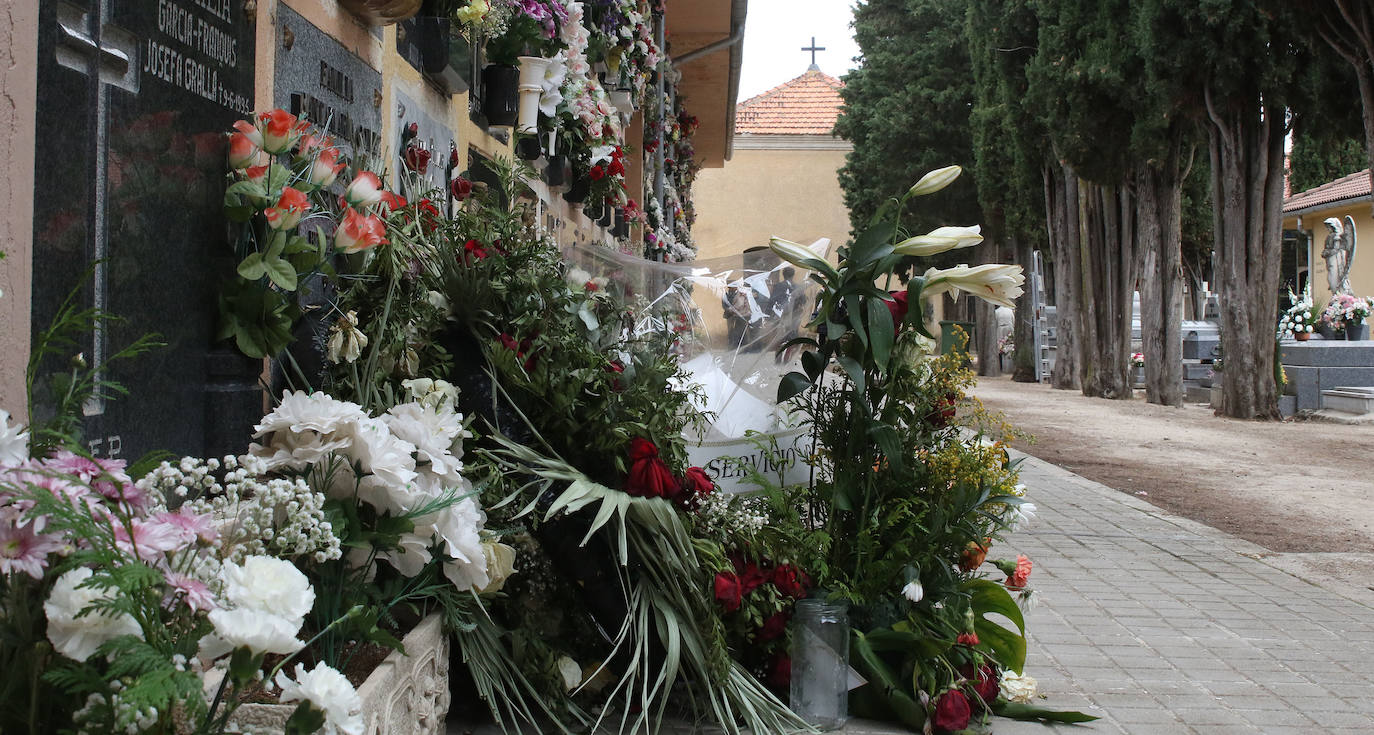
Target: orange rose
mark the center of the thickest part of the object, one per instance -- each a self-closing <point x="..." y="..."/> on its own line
<point x="973" y="555"/>
<point x="290" y="208"/>
<point x="358" y="232"/>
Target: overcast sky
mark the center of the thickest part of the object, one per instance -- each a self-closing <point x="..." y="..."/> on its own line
<point x="776" y="31"/>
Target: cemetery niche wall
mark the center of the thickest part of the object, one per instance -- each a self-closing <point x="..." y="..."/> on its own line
<point x="128" y="182"/>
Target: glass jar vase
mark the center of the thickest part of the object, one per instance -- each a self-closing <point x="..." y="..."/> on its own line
<point x="820" y="663"/>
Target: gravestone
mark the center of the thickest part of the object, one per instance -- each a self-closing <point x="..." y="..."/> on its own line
<point x="433" y="135"/>
<point x="134" y="100"/>
<point x="317" y="78"/>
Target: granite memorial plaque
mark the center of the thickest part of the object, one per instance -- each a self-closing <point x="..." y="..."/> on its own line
<point x="431" y="135"/>
<point x="134" y="100"/>
<point x="320" y="80"/>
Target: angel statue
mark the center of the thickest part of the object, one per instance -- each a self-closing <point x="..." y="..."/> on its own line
<point x="1339" y="253"/>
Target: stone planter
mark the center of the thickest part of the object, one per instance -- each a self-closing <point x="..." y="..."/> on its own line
<point x="405" y="695"/>
<point x="1216" y="393"/>
<point x="1138" y="376"/>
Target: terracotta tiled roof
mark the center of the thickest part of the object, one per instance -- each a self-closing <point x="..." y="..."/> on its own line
<point x="1346" y="187"/>
<point x="807" y="105"/>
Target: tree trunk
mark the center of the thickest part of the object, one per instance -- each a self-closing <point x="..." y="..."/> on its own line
<point x="1159" y="197"/>
<point x="1107" y="274"/>
<point x="985" y="320"/>
<point x="1023" y="329"/>
<point x="1247" y="186"/>
<point x="1061" y="212"/>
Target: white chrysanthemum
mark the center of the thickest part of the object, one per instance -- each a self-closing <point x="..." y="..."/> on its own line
<point x="297" y="451"/>
<point x="1016" y="687"/>
<point x="434" y="432"/>
<point x="381" y="453"/>
<point x="261" y="632"/>
<point x="74" y="637"/>
<point x="300" y="411"/>
<point x="328" y="691"/>
<point x="14" y="442"/>
<point x="411" y="554"/>
<point x="271" y="585"/>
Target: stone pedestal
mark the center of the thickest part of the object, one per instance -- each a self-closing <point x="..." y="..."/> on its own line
<point x="1320" y="365"/>
<point x="405" y="695"/>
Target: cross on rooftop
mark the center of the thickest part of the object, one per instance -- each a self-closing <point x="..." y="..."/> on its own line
<point x="813" y="48"/>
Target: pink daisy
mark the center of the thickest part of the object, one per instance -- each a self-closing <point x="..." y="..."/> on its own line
<point x="192" y="591"/>
<point x="24" y="550"/>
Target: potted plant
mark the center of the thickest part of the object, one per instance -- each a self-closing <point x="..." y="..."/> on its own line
<point x="1138" y="369"/>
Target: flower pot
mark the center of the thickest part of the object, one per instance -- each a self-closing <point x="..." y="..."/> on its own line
<point x="578" y="191"/>
<point x="1357" y="332"/>
<point x="556" y="173"/>
<point x="433" y="42"/>
<point x="500" y="94"/>
<point x="820" y="663"/>
<point x="622" y="225"/>
<point x="607" y="217"/>
<point x="404" y="694"/>
<point x="527" y="148"/>
<point x="382" y="12"/>
<point x="1302" y="336"/>
<point x="531" y="86"/>
<point x="1326" y="330"/>
<point x="595" y="210"/>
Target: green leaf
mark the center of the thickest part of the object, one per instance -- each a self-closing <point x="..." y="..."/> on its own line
<point x="890" y="442"/>
<point x="851" y="304"/>
<point x="884" y="682"/>
<point x="305" y="720"/>
<point x="880" y="332"/>
<point x="252" y="268"/>
<point x="1007" y="646"/>
<point x="813" y="364"/>
<point x="1023" y="711"/>
<point x="792" y="384"/>
<point x="280" y="272"/>
<point x="854" y="370"/>
<point x="915" y="318"/>
<point x="246" y="188"/>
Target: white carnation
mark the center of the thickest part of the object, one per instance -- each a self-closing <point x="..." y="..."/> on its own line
<point x="328" y="691"/>
<point x="434" y="431"/>
<point x="261" y="632"/>
<point x="1016" y="687"/>
<point x="381" y="453"/>
<point x="74" y="637"/>
<point x="270" y="585"/>
<point x="410" y="556"/>
<point x="319" y="412"/>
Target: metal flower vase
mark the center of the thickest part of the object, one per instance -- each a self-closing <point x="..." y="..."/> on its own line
<point x="1356" y="332"/>
<point x="820" y="663"/>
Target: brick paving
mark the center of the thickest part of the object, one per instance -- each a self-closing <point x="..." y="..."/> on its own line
<point x="1160" y="625"/>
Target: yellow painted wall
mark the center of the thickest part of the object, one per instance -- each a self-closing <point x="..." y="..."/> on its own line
<point x="1362" y="272"/>
<point x="760" y="193"/>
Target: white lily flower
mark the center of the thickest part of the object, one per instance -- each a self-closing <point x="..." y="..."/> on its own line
<point x="939" y="240"/>
<point x="791" y="252"/>
<point x="994" y="282"/>
<point x="913" y="591"/>
<point x="1021" y="515"/>
<point x="935" y="181"/>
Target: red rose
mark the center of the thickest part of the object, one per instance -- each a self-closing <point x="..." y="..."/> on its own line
<point x="417" y="158"/>
<point x="453" y="159"/>
<point x="649" y="477"/>
<point x="597" y="173"/>
<point x="509" y="343"/>
<point x="751" y="576"/>
<point x="391" y="201"/>
<point x="791" y="581"/>
<point x="728" y="592"/>
<point x="951" y="711"/>
<point x="774" y="626"/>
<point x="697" y="484"/>
<point x="475" y="249"/>
<point x="461" y="188"/>
<point x="986" y="684"/>
<point x="967" y="639"/>
<point x="614" y="366"/>
<point x="780" y="672"/>
<point x="616" y="168"/>
<point x="897" y="306"/>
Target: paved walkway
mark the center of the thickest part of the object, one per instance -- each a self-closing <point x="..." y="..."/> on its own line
<point x="1160" y="625"/>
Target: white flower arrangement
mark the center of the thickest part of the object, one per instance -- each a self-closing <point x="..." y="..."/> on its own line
<point x="1301" y="316"/>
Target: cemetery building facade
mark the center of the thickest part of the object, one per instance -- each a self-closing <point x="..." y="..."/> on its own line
<point x="118" y="116"/>
<point x="1309" y="218"/>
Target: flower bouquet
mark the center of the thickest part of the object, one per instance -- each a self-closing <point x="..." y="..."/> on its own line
<point x="904" y="507"/>
<point x="1300" y="319"/>
<point x="1346" y="312"/>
